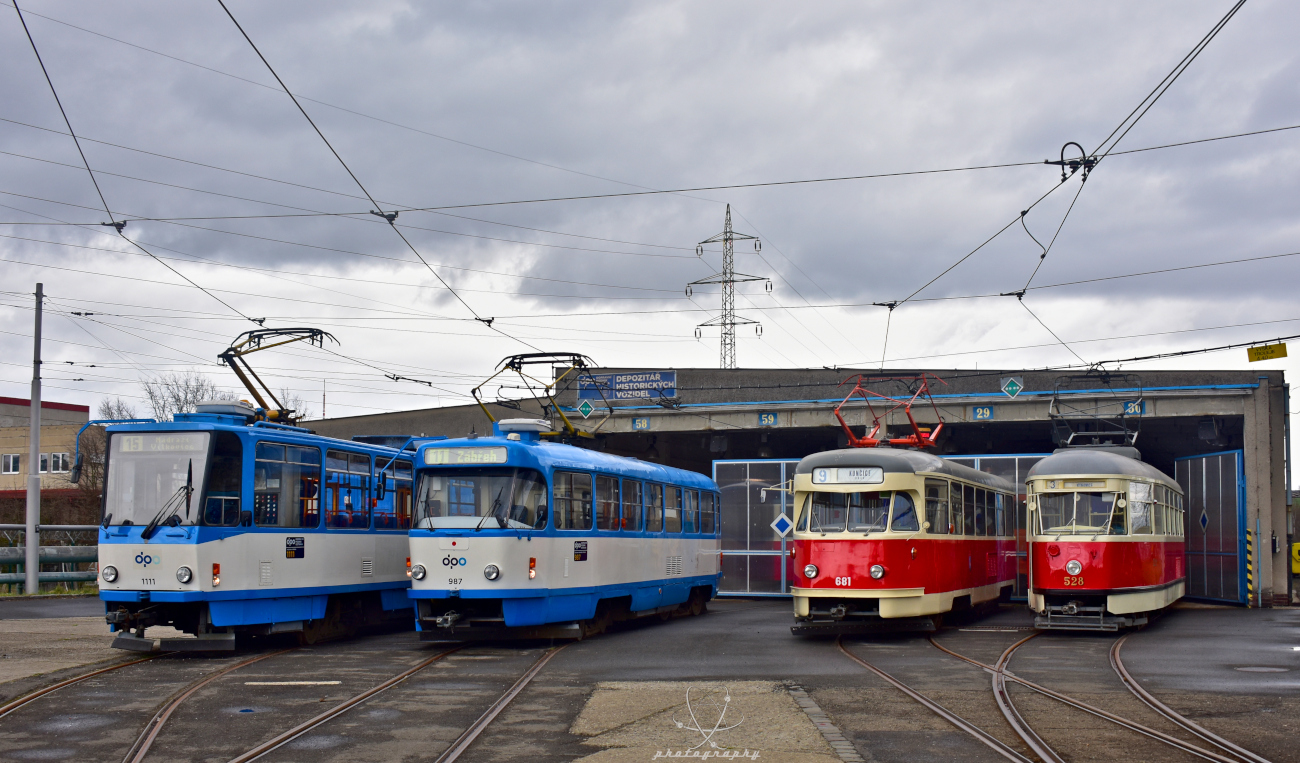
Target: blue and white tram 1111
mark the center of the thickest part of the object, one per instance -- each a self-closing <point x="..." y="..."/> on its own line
<point x="518" y="537"/>
<point x="216" y="525"/>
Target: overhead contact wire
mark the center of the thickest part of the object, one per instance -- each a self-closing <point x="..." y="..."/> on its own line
<point x="113" y="222"/>
<point x="378" y="207"/>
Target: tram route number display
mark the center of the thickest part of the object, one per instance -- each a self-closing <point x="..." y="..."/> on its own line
<point x="642" y="385"/>
<point x="295" y="547"/>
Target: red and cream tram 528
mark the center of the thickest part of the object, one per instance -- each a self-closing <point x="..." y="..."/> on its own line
<point x="891" y="539"/>
<point x="1106" y="539"/>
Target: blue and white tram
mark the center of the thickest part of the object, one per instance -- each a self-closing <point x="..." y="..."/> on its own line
<point x="216" y="524"/>
<point x="519" y="537"/>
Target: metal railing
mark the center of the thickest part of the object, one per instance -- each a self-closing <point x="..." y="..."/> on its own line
<point x="16" y="555"/>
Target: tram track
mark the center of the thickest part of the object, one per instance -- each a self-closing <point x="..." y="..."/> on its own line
<point x="27" y="699"/>
<point x="990" y="741"/>
<point x="1173" y="716"/>
<point x="1001" y="675"/>
<point x="143" y="743"/>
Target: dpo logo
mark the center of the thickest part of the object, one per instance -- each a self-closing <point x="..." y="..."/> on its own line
<point x="144" y="560"/>
<point x="451" y="561"/>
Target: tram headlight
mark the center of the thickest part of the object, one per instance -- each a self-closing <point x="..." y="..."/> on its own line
<point x="810" y="571"/>
<point x="418" y="572"/>
<point x="184" y="574"/>
<point x="109" y="574"/>
<point x="491" y="572"/>
<point x="1073" y="567"/>
<point x="877" y="571"/>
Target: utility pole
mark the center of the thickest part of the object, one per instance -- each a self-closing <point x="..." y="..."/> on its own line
<point x="728" y="278"/>
<point x="32" y="560"/>
<point x="322" y="398"/>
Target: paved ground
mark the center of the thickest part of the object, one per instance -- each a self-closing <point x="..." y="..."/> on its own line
<point x="20" y="608"/>
<point x="619" y="697"/>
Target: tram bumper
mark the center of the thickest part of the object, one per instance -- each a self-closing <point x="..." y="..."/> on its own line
<point x="842" y="611"/>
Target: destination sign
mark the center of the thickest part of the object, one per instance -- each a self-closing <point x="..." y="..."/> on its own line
<point x="185" y="442"/>
<point x="641" y="385"/>
<point x="464" y="456"/>
<point x="871" y="475"/>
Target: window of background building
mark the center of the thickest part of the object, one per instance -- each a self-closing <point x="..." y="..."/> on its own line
<point x="11" y="463"/>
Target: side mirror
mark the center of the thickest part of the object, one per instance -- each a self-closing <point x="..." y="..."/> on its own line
<point x="380" y="488"/>
<point x="75" y="475"/>
<point x="245" y="518"/>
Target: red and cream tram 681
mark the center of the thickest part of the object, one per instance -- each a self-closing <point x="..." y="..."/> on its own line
<point x="1106" y="539"/>
<point x="890" y="539"/>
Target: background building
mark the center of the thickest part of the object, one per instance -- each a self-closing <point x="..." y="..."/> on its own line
<point x="59" y="425"/>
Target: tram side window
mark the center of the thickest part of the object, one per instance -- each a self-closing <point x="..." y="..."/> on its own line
<point x="1178" y="515"/>
<point x="286" y="485"/>
<point x="708" y="512"/>
<point x="673" y="509"/>
<point x="606" y="503"/>
<point x="572" y="501"/>
<point x="654" y="507"/>
<point x="981" y="512"/>
<point x="904" y="516"/>
<point x="347" y="490"/>
<point x="632" y="506"/>
<point x="936" y="506"/>
<point x="1158" y="510"/>
<point x="968" y="510"/>
<point x="225" y="481"/>
<point x="691" y="512"/>
<point x="394" y="512"/>
<point x="1140" y="507"/>
<point x="999" y="514"/>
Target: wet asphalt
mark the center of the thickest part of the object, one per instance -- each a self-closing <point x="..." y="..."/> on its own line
<point x="1191" y="658"/>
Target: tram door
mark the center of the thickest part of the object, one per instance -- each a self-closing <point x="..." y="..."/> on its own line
<point x="1214" y="499"/>
<point x="755" y="559"/>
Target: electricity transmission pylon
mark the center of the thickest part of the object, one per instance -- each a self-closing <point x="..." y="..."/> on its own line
<point x="728" y="279"/>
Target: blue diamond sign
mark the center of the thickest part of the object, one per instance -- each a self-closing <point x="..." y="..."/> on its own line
<point x="1012" y="385"/>
<point x="782" y="525"/>
<point x="1205" y="520"/>
<point x="585" y="408"/>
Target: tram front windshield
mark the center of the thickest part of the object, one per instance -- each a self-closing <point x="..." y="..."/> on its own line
<point x="147" y="471"/>
<point x="1080" y="514"/>
<point x="866" y="512"/>
<point x="481" y="498"/>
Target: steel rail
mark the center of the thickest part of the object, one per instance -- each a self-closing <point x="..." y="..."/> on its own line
<point x="1009" y="711"/>
<point x="1124" y="722"/>
<point x="21" y="701"/>
<point x="337" y="710"/>
<point x="961" y="723"/>
<point x="463" y="742"/>
<point x="146" y="739"/>
<point x="1191" y="727"/>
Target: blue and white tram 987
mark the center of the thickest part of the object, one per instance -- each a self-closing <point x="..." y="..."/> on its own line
<point x="519" y="537"/>
<point x="216" y="525"/>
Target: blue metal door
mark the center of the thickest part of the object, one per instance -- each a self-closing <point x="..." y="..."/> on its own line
<point x="1214" y="499"/>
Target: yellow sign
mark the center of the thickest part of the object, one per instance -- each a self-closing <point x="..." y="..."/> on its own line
<point x="454" y="456"/>
<point x="1266" y="352"/>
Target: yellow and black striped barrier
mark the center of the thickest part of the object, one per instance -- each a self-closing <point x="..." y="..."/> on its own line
<point x="1250" y="568"/>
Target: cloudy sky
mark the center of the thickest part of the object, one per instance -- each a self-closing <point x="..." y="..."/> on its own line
<point x="465" y="105"/>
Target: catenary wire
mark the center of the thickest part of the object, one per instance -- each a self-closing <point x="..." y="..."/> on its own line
<point x="112" y="220"/>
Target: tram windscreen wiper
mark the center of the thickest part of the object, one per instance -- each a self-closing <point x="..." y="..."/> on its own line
<point x="496" y="504"/>
<point x="173" y="504"/>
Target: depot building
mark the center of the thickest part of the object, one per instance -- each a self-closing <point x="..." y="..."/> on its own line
<point x="1222" y="434"/>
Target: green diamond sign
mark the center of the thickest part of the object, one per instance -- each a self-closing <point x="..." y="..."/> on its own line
<point x="585" y="408"/>
<point x="1012" y="385"/>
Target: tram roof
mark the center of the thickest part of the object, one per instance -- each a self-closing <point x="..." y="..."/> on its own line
<point x="1066" y="461"/>
<point x="555" y="455"/>
<point x="898" y="461"/>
